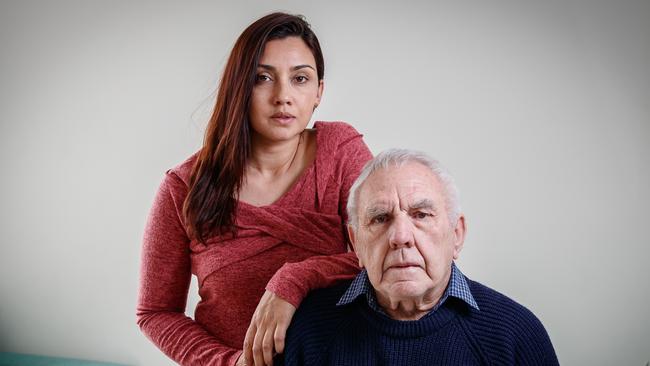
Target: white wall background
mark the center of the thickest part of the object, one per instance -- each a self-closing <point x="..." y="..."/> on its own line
<point x="539" y="108"/>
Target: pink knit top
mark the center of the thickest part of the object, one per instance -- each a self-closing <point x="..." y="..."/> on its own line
<point x="290" y="247"/>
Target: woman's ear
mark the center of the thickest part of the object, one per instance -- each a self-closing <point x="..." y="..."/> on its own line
<point x="319" y="95"/>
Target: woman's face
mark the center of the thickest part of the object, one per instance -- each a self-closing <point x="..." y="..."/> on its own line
<point x="286" y="90"/>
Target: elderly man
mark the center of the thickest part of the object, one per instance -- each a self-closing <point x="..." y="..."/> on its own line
<point x="411" y="305"/>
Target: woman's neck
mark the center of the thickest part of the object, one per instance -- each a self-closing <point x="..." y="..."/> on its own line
<point x="272" y="158"/>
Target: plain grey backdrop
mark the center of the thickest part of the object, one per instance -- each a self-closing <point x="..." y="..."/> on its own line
<point x="540" y="109"/>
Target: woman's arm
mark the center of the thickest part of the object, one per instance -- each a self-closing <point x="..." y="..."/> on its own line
<point x="164" y="282"/>
<point x="293" y="281"/>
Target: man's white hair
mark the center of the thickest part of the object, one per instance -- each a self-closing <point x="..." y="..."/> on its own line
<point x="399" y="157"/>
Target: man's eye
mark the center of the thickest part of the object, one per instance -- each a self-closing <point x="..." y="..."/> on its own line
<point x="421" y="215"/>
<point x="381" y="219"/>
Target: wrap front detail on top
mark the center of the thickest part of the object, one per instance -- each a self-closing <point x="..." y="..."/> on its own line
<point x="290" y="247"/>
<point x="262" y="228"/>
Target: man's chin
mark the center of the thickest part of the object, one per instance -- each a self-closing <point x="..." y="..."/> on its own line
<point x="407" y="289"/>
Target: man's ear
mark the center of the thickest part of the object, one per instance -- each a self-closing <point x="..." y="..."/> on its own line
<point x="459" y="235"/>
<point x="353" y="241"/>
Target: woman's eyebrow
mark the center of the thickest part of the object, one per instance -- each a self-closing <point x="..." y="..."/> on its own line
<point x="298" y="67"/>
<point x="302" y="67"/>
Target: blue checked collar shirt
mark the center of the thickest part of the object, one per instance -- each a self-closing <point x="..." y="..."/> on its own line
<point x="361" y="285"/>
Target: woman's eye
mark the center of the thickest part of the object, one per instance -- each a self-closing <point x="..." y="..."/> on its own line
<point x="262" y="78"/>
<point x="301" y="79"/>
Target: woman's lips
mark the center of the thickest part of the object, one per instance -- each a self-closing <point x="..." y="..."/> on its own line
<point x="283" y="118"/>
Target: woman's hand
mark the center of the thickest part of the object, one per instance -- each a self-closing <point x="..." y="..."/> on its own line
<point x="265" y="334"/>
<point x="241" y="361"/>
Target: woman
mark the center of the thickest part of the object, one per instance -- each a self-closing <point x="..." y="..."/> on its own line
<point x="258" y="213"/>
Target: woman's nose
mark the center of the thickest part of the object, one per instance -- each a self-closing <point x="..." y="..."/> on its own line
<point x="282" y="94"/>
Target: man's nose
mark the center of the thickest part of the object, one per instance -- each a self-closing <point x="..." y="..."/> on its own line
<point x="401" y="234"/>
<point x="282" y="93"/>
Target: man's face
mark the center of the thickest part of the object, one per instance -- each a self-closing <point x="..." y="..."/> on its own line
<point x="404" y="238"/>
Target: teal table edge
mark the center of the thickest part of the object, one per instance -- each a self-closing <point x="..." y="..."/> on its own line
<point x="18" y="359"/>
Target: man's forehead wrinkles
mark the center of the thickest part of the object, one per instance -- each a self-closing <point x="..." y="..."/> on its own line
<point x="383" y="195"/>
<point x="378" y="202"/>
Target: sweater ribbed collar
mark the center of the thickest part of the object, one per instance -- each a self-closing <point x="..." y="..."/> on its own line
<point x="405" y="329"/>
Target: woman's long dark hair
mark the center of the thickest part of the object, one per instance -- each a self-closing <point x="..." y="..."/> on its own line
<point x="219" y="169"/>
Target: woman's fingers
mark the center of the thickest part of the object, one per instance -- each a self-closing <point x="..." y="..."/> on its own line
<point x="248" y="343"/>
<point x="241" y="361"/>
<point x="267" y="346"/>
<point x="258" y="353"/>
<point x="279" y="335"/>
<point x="266" y="333"/>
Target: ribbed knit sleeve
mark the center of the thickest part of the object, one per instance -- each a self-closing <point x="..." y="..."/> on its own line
<point x="347" y="156"/>
<point x="164" y="281"/>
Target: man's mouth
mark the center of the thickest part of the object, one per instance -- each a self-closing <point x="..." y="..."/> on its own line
<point x="404" y="266"/>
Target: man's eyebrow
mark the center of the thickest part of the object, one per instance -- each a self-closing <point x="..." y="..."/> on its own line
<point x="375" y="210"/>
<point x="297" y="67"/>
<point x="423" y="203"/>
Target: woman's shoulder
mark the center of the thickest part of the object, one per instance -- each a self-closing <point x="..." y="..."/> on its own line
<point x="337" y="137"/>
<point x="336" y="130"/>
<point x="183" y="171"/>
<point x="341" y="149"/>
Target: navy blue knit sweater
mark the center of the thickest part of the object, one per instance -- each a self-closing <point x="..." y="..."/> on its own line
<point x="501" y="333"/>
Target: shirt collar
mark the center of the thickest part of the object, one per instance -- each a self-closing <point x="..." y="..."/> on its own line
<point x="361" y="285"/>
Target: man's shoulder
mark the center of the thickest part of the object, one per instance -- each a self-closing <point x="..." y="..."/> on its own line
<point x="321" y="303"/>
<point x="494" y="304"/>
<point x="314" y="325"/>
<point x="513" y="332"/>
